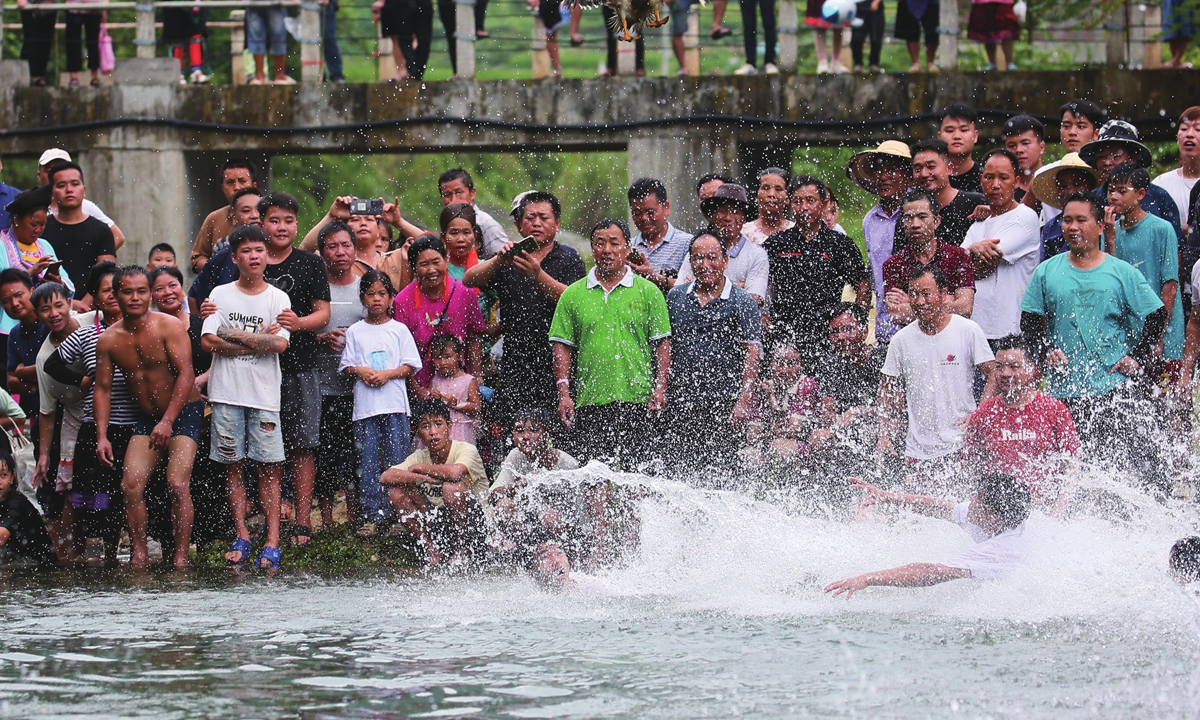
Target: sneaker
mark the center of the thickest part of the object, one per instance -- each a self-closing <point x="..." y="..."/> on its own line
<point x="837" y="68"/>
<point x="823" y="67"/>
<point x="771" y="69"/>
<point x="183" y="80"/>
<point x="746" y="69"/>
<point x="198" y="77"/>
<point x="1012" y="66"/>
<point x="875" y="69"/>
<point x="989" y="67"/>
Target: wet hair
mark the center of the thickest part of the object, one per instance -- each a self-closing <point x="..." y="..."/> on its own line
<point x="1132" y="173"/>
<point x="240" y="163"/>
<point x="428" y="241"/>
<point x="330" y="229"/>
<point x="933" y="271"/>
<point x="799" y="181"/>
<point x="708" y="231"/>
<point x="427" y="408"/>
<point x="959" y="111"/>
<point x="1184" y="560"/>
<point x="1018" y="124"/>
<point x="643" y="188"/>
<point x="539" y="196"/>
<point x="1012" y="342"/>
<point x="930" y="145"/>
<point x="460" y="211"/>
<point x="1095" y="203"/>
<point x="47" y="291"/>
<point x="781" y="172"/>
<point x="537" y="415"/>
<point x="706" y="179"/>
<point x="127" y="272"/>
<point x="1012" y="157"/>
<point x="371" y="277"/>
<point x="245" y="234"/>
<point x="1085" y="109"/>
<point x="456" y="174"/>
<point x="58" y="167"/>
<point x="607" y="223"/>
<point x="171" y="270"/>
<point x="1192" y="114"/>
<point x="441" y="342"/>
<point x="15" y="275"/>
<point x="919" y="194"/>
<point x="161" y="247"/>
<point x="252" y="190"/>
<point x="98" y="272"/>
<point x="860" y="314"/>
<point x="1006" y="497"/>
<point x="281" y="200"/>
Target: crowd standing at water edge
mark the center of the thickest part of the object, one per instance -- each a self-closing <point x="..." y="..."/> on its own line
<point x="996" y="325"/>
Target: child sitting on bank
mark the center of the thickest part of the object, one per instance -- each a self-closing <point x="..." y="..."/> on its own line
<point x="454" y="387"/>
<point x="22" y="532"/>
<point x="786" y="411"/>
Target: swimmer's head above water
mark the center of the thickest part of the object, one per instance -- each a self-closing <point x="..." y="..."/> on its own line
<point x="1184" y="560"/>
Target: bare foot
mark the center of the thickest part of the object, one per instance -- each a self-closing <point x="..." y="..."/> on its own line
<point x="139" y="560"/>
<point x="181" y="561"/>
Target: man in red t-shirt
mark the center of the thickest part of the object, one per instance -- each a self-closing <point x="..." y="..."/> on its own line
<point x="1022" y="432"/>
<point x="921" y="221"/>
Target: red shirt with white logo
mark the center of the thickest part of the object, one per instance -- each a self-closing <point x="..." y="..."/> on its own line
<point x="1027" y="443"/>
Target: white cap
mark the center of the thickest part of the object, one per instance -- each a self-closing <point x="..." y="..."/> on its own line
<point x="52" y="155"/>
<point x="516" y="203"/>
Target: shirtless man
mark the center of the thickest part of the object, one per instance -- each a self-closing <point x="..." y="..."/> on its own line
<point x="155" y="354"/>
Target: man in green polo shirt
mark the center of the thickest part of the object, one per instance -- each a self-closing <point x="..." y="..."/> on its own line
<point x="614" y="327"/>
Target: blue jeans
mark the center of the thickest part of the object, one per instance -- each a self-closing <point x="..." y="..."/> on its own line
<point x="382" y="441"/>
<point x="333" y="53"/>
<point x="265" y="24"/>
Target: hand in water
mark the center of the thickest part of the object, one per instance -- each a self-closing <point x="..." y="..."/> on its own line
<point x="849" y="586"/>
<point x="1127" y="366"/>
<point x="871" y="494"/>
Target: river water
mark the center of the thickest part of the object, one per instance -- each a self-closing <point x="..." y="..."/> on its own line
<point x="720" y="614"/>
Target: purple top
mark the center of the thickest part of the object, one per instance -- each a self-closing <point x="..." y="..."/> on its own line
<point x="429" y="318"/>
<point x="879" y="230"/>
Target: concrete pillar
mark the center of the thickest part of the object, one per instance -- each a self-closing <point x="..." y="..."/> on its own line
<point x="754" y="157"/>
<point x="948" y="31"/>
<point x="142" y="192"/>
<point x="202" y="178"/>
<point x="1151" y="32"/>
<point x="789" y="36"/>
<point x="387" y="61"/>
<point x="626" y="58"/>
<point x="1116" y="30"/>
<point x="541" y="56"/>
<point x="691" y="41"/>
<point x="464" y="37"/>
<point x="678" y="159"/>
<point x="312" y="62"/>
<point x="145" y="40"/>
<point x="237" y="47"/>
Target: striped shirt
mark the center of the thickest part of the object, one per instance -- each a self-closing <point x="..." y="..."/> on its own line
<point x="81" y="346"/>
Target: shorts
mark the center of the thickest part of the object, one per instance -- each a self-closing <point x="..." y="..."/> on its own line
<point x="992" y="23"/>
<point x="187" y="423"/>
<point x="552" y="16"/>
<point x="235" y="427"/>
<point x="908" y="28"/>
<point x="265" y="24"/>
<point x="51" y="500"/>
<point x="337" y="466"/>
<point x="1178" y="21"/>
<point x="300" y="410"/>
<point x="679" y="17"/>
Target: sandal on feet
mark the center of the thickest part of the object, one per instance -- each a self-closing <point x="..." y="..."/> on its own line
<point x="577" y="40"/>
<point x="482" y="34"/>
<point x="301" y="535"/>
<point x="270" y="558"/>
<point x="721" y="32"/>
<point x="95" y="82"/>
<point x="241" y="545"/>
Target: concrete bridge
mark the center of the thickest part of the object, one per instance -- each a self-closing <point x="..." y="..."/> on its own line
<point x="150" y="147"/>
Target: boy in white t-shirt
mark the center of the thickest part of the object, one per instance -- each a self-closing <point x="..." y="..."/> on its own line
<point x="994" y="517"/>
<point x="243" y="387"/>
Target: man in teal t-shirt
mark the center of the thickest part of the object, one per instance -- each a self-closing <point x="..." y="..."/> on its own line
<point x="1096" y="321"/>
<point x="614" y="327"/>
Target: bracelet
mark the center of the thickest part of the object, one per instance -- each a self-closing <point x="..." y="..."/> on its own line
<point x="563" y="381"/>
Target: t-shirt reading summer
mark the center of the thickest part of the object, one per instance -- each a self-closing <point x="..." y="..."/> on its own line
<point x="246" y="380"/>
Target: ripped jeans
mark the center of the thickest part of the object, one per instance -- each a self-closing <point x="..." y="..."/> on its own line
<point x="241" y="432"/>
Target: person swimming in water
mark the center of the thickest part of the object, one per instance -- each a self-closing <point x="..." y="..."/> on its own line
<point x="994" y="517"/>
<point x="1184" y="560"/>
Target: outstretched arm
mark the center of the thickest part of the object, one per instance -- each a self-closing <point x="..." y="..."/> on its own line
<point x="912" y="575"/>
<point x="931" y="506"/>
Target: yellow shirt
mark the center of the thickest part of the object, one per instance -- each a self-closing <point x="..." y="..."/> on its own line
<point x="461" y="453"/>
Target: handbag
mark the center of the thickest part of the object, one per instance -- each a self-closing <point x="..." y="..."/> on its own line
<point x="22" y="452"/>
<point x="108" y="60"/>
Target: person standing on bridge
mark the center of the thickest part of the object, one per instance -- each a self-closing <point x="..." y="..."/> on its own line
<point x="992" y="23"/>
<point x="265" y="31"/>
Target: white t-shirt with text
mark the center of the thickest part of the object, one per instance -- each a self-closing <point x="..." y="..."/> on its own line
<point x="998" y="296"/>
<point x="253" y="380"/>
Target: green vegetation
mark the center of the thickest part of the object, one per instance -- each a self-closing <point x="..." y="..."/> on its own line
<point x="335" y="550"/>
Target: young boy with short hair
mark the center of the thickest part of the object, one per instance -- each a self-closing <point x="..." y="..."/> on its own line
<point x="22" y="532"/>
<point x="161" y="255"/>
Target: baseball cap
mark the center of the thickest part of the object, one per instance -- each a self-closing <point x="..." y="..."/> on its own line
<point x="52" y="155"/>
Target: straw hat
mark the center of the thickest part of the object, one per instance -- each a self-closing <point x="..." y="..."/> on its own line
<point x="1044" y="187"/>
<point x="864" y="166"/>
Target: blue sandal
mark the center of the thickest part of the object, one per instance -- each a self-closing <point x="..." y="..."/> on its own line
<point x="242" y="546"/>
<point x="272" y="555"/>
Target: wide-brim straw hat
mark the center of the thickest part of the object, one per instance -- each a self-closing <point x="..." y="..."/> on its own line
<point x="865" y="166"/>
<point x="1044" y="186"/>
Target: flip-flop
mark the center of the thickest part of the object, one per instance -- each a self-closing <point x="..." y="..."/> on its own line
<point x="577" y="40"/>
<point x="301" y="532"/>
<point x="242" y="546"/>
<point x="721" y="32"/>
<point x="273" y="557"/>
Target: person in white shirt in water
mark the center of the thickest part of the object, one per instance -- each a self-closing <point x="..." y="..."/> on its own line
<point x="994" y="517"/>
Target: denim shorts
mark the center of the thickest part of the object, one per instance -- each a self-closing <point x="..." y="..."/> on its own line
<point x="263" y="24"/>
<point x="186" y="424"/>
<point x="679" y="17"/>
<point x="235" y="427"/>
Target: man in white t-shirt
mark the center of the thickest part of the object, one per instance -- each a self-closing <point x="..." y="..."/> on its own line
<point x="1006" y="249"/>
<point x="54" y="156"/>
<point x="994" y="517"/>
<point x="246" y="341"/>
<point x="1179" y="182"/>
<point x="930" y="373"/>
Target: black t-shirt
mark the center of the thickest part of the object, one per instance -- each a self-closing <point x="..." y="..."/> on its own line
<point x="27" y="532"/>
<point x="302" y="276"/>
<point x="955" y="224"/>
<point x="525" y="315"/>
<point x="851" y="384"/>
<point x="201" y="360"/>
<point x="969" y="181"/>
<point x="808" y="277"/>
<point x="78" y="246"/>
